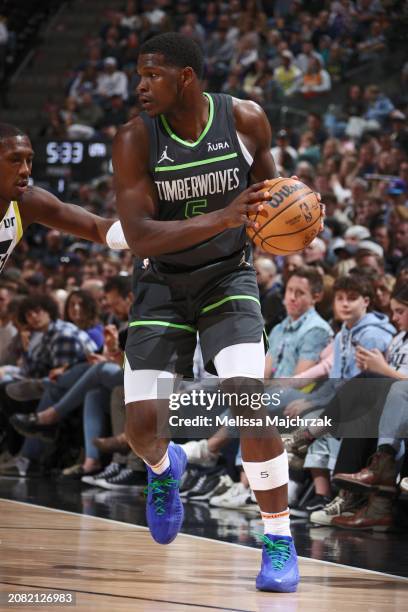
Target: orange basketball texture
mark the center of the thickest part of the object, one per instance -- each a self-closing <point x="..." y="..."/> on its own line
<point x="290" y="220"/>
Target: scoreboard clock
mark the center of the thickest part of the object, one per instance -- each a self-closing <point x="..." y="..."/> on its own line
<point x="57" y="163"/>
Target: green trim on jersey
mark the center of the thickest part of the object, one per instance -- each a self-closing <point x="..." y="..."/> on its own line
<point x="163" y="324"/>
<point x="200" y="162"/>
<point x="228" y="299"/>
<point x="203" y="133"/>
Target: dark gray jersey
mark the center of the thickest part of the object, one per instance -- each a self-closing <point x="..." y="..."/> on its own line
<point x="197" y="178"/>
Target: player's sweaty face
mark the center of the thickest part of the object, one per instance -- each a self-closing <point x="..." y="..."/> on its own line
<point x="157" y="89"/>
<point x="16" y="158"/>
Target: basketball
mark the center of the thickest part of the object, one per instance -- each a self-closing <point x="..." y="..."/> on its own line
<point x="289" y="220"/>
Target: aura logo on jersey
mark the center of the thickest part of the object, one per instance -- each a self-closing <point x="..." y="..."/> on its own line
<point x="198" y="186"/>
<point x="217" y="146"/>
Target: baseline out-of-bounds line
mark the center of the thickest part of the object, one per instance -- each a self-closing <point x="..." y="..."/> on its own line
<point x="189" y="535"/>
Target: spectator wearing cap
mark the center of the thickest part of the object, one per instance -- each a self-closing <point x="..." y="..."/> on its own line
<point x="284" y="155"/>
<point x="288" y="75"/>
<point x="343" y="250"/>
<point x="397" y="193"/>
<point x="370" y="254"/>
<point x="112" y="81"/>
<point x="315" y="252"/>
<point x="356" y="233"/>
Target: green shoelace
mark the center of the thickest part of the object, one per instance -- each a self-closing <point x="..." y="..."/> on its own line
<point x="278" y="551"/>
<point x="159" y="489"/>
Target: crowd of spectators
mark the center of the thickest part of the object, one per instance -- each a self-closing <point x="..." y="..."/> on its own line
<point x="74" y="297"/>
<point x="275" y="53"/>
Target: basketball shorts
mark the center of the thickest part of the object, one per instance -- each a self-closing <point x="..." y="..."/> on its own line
<point x="220" y="303"/>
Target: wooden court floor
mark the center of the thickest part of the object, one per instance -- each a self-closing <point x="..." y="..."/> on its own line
<point x="112" y="566"/>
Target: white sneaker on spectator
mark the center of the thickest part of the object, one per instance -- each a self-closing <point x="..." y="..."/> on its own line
<point x="98" y="480"/>
<point x="197" y="452"/>
<point x="237" y="497"/>
<point x="345" y="504"/>
<point x="404" y="485"/>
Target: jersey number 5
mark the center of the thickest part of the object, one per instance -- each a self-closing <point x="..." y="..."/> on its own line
<point x="194" y="208"/>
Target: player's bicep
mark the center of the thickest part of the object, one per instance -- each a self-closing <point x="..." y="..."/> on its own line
<point x="263" y="166"/>
<point x="252" y="122"/>
<point x="135" y="189"/>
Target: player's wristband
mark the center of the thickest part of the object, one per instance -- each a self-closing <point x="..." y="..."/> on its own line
<point x="115" y="238"/>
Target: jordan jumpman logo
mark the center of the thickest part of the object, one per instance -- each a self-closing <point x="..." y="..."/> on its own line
<point x="165" y="157"/>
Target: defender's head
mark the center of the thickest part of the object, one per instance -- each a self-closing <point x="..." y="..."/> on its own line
<point x="169" y="65"/>
<point x="16" y="156"/>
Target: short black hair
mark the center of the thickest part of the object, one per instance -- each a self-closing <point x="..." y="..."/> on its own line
<point x="9" y="131"/>
<point x="36" y="302"/>
<point x="121" y="284"/>
<point x="178" y="50"/>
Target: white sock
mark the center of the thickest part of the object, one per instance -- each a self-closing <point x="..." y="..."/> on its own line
<point x="277" y="523"/>
<point x="162" y="465"/>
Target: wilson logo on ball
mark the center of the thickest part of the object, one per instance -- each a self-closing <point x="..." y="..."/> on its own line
<point x="289" y="220"/>
<point x="283" y="193"/>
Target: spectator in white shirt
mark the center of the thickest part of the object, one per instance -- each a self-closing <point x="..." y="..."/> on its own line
<point x="112" y="82"/>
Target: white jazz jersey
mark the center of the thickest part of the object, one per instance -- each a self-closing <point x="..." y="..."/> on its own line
<point x="11" y="231"/>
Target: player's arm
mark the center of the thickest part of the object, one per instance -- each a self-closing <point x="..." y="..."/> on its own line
<point x="252" y="123"/>
<point x="136" y="200"/>
<point x="40" y="206"/>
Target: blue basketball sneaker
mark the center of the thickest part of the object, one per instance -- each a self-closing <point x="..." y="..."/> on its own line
<point x="279" y="570"/>
<point x="164" y="509"/>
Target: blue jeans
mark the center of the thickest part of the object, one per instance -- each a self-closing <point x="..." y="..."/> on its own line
<point x="70" y="391"/>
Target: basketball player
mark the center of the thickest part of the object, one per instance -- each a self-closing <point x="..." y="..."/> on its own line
<point x="21" y="205"/>
<point x="182" y="171"/>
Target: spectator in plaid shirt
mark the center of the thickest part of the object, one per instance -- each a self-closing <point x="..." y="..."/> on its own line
<point x="62" y="344"/>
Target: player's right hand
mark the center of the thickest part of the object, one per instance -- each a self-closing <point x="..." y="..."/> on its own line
<point x="248" y="202"/>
